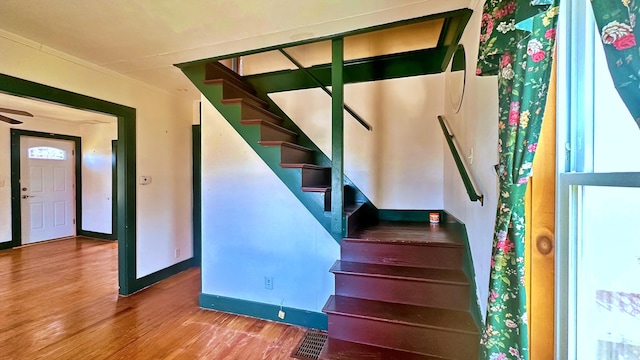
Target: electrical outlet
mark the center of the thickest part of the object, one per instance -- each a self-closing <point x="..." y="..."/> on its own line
<point x="177" y="253"/>
<point x="281" y="314"/>
<point x="268" y="282"/>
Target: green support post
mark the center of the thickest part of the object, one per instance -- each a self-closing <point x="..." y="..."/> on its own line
<point x="337" y="138"/>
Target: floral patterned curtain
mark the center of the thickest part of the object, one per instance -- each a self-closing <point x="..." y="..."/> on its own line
<point x="516" y="43"/>
<point x="616" y="21"/>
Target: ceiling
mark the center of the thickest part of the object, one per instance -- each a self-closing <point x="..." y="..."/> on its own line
<point x="46" y="111"/>
<point x="142" y="39"/>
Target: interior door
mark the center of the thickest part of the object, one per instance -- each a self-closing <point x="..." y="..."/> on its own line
<point x="47" y="176"/>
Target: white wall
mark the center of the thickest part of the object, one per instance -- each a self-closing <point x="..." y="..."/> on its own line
<point x="475" y="127"/>
<point x="163" y="143"/>
<point x="253" y="226"/>
<point x="397" y="165"/>
<point x="96" y="170"/>
<point x="97" y="178"/>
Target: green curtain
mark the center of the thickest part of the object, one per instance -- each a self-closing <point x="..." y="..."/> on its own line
<point x="516" y="43"/>
<point x="616" y="21"/>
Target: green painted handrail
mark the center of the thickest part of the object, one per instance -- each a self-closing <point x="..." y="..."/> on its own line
<point x="320" y="85"/>
<point x="462" y="168"/>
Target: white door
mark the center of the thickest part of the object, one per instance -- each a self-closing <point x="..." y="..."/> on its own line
<point x="47" y="182"/>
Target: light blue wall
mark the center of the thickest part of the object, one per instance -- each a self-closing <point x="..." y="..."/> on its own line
<point x="252" y="227"/>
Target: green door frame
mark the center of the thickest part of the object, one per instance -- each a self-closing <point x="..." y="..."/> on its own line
<point x="114" y="190"/>
<point x="126" y="168"/>
<point x="196" y="136"/>
<point x="16" y="204"/>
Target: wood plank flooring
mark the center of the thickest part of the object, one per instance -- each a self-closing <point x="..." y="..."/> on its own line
<point x="59" y="300"/>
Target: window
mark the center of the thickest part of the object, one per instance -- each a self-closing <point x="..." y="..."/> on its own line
<point x="598" y="245"/>
<point x="47" y="153"/>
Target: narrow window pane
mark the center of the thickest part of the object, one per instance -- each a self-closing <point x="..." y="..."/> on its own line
<point x="616" y="135"/>
<point x="608" y="321"/>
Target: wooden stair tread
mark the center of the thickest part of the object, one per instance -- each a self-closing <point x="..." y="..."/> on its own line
<point x="304" y="166"/>
<point x="322" y="189"/>
<point x="242" y="89"/>
<point x="415" y="233"/>
<point x="444" y="276"/>
<point x="412" y="315"/>
<point x="335" y="349"/>
<point x="269" y="124"/>
<point x="285" y="144"/>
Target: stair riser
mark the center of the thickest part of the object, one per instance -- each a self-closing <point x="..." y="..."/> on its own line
<point x="361" y="218"/>
<point x="348" y="198"/>
<point x="402" y="254"/>
<point x="292" y="156"/>
<point x="232" y="92"/>
<point x="250" y="112"/>
<point x="426" y="341"/>
<point x="338" y="350"/>
<point x="446" y="296"/>
<point x="316" y="177"/>
<point x="270" y="134"/>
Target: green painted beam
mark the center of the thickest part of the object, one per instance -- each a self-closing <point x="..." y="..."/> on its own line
<point x="337" y="138"/>
<point x="326" y="89"/>
<point x="414" y="63"/>
<point x="196" y="141"/>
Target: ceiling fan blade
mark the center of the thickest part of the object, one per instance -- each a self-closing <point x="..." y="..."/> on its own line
<point x="16" y="112"/>
<point x="9" y="120"/>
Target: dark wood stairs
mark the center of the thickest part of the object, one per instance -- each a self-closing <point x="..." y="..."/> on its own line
<point x="254" y="112"/>
<point x="401" y="293"/>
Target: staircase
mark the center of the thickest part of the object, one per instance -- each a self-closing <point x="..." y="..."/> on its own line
<point x="401" y="293"/>
<point x="293" y="157"/>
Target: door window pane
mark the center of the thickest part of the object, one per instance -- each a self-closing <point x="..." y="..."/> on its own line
<point x="47" y="153"/>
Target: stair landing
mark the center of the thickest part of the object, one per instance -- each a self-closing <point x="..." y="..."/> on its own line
<point x="401" y="293"/>
<point x="410" y="232"/>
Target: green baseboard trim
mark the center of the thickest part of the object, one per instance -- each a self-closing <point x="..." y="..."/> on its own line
<point x="6" y="245"/>
<point x="160" y="275"/>
<point x="468" y="269"/>
<point x="96" y="235"/>
<point x="408" y="215"/>
<point x="304" y="318"/>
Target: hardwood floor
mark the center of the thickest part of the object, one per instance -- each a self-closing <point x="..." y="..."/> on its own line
<point x="59" y="300"/>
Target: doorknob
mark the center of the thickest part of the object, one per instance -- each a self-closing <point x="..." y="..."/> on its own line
<point x="24" y="189"/>
<point x="25" y="196"/>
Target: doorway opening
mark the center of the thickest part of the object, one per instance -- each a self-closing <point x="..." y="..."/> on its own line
<point x="47" y="183"/>
<point x="125" y="169"/>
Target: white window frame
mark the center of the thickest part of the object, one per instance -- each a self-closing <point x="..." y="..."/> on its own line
<point x="574" y="146"/>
